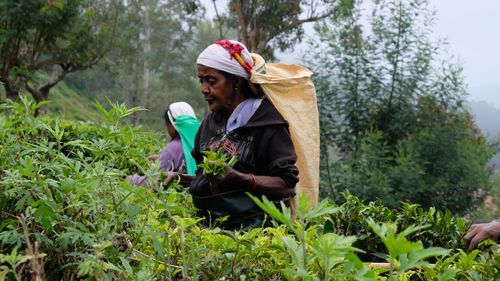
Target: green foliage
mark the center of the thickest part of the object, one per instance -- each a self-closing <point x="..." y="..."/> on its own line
<point x="51" y="37"/>
<point x="408" y="254"/>
<point x="264" y="26"/>
<point x="152" y="60"/>
<point x="490" y="210"/>
<point x="155" y="76"/>
<point x="319" y="254"/>
<point x="63" y="189"/>
<point x="393" y="125"/>
<point x="443" y="230"/>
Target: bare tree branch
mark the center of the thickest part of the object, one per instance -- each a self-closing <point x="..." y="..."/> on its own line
<point x="299" y="22"/>
<point x="243" y="25"/>
<point x="221" y="35"/>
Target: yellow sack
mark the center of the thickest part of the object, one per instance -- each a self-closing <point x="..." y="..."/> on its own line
<point x="290" y="89"/>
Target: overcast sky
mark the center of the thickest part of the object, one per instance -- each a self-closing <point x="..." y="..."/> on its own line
<point x="473" y="32"/>
<point x="472" y="28"/>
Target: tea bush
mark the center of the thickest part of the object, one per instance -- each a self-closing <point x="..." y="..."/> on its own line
<point x="67" y="213"/>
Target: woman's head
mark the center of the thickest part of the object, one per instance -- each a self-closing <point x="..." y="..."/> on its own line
<point x="228" y="56"/>
<point x="173" y="111"/>
<point x="224" y="69"/>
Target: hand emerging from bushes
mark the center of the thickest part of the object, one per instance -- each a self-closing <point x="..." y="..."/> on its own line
<point x="482" y="231"/>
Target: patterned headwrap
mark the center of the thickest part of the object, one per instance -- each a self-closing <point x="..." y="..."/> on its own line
<point x="229" y="56"/>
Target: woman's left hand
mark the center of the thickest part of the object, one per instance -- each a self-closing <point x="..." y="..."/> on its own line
<point x="230" y="175"/>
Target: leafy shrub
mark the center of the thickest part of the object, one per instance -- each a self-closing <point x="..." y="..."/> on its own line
<point x="393" y="122"/>
<point x="444" y="230"/>
<point x="68" y="213"/>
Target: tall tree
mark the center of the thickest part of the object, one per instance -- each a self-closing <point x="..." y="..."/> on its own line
<point x="264" y="25"/>
<point x="41" y="42"/>
<point x="150" y="63"/>
<point x="171" y="63"/>
<point x="391" y="113"/>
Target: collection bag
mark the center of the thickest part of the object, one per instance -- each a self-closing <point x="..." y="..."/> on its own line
<point x="291" y="91"/>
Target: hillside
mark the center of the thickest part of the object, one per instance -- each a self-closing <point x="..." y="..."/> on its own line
<point x="487" y="117"/>
<point x="67" y="103"/>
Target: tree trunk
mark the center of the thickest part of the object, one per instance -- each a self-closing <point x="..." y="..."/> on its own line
<point x="12" y="94"/>
<point x="132" y="101"/>
<point x="147" y="50"/>
<point x="219" y="20"/>
<point x="40" y="95"/>
<point x="133" y="90"/>
<point x="243" y="32"/>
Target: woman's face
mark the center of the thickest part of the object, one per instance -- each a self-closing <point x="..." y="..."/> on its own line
<point x="219" y="93"/>
<point x="172" y="132"/>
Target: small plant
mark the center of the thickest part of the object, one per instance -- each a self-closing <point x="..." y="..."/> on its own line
<point x="213" y="162"/>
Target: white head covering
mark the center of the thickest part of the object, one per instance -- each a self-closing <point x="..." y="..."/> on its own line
<point x="215" y="56"/>
<point x="177" y="109"/>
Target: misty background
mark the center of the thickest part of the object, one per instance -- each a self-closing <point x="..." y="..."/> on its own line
<point x="469" y="29"/>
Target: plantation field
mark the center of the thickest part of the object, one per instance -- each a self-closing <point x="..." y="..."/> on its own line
<point x="67" y="213"/>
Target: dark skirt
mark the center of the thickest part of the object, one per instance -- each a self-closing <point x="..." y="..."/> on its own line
<point x="241" y="212"/>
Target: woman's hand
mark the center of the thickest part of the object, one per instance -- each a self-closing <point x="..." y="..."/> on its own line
<point x="229" y="175"/>
<point x="171" y="176"/>
<point x="482" y="231"/>
<point x="271" y="186"/>
<point x="153" y="157"/>
<point x="183" y="179"/>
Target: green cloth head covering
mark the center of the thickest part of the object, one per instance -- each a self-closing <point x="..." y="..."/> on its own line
<point x="187" y="127"/>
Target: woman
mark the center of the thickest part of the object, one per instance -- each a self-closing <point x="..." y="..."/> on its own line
<point x="242" y="124"/>
<point x="182" y="125"/>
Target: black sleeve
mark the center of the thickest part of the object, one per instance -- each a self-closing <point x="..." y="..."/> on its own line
<point x="281" y="156"/>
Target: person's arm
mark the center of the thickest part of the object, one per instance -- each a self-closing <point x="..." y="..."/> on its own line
<point x="280" y="162"/>
<point x="281" y="177"/>
<point x="272" y="187"/>
<point x="137" y="180"/>
<point x="482" y="231"/>
<point x="184" y="180"/>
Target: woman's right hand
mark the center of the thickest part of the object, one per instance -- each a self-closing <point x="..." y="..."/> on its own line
<point x="171" y="176"/>
<point x="183" y="179"/>
<point x="482" y="231"/>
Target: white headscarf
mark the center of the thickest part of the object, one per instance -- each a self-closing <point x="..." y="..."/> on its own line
<point x="215" y="56"/>
<point x="177" y="109"/>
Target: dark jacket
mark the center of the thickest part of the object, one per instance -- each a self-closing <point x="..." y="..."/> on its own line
<point x="263" y="147"/>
